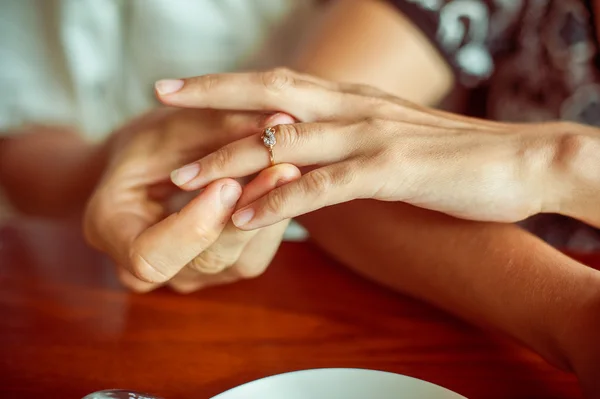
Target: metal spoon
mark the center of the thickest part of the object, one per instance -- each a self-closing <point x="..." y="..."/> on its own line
<point x="119" y="394"/>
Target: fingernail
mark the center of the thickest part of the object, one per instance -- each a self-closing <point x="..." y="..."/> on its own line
<point x="168" y="86"/>
<point x="230" y="195"/>
<point x="185" y="174"/>
<point x="240" y="218"/>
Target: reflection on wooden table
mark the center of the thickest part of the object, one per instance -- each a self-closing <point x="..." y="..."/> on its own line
<point x="68" y="328"/>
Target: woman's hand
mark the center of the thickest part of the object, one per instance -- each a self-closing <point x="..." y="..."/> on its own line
<point x="129" y="215"/>
<point x="367" y="144"/>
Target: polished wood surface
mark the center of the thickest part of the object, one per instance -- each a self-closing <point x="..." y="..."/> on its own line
<point x="67" y="329"/>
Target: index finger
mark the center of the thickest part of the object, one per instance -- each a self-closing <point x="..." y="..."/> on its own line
<point x="306" y="98"/>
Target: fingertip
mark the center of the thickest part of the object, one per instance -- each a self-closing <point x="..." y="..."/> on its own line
<point x="279" y="174"/>
<point x="279" y="118"/>
<point x="287" y="171"/>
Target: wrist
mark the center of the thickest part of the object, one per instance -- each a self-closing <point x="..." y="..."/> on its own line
<point x="572" y="183"/>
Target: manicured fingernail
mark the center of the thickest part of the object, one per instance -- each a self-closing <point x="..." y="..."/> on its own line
<point x="230" y="195"/>
<point x="185" y="174"/>
<point x="242" y="217"/>
<point x="168" y="86"/>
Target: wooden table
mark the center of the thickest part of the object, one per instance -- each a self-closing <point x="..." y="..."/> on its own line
<point x="67" y="329"/>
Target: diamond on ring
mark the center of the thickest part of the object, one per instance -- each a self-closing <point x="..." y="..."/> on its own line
<point x="269" y="140"/>
<point x="268" y="137"/>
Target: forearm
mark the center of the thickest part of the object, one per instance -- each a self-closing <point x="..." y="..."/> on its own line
<point x="491" y="274"/>
<point x="494" y="275"/>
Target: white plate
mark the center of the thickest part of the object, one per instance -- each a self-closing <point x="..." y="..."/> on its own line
<point x="339" y="384"/>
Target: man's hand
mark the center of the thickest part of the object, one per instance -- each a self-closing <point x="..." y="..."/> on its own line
<point x="128" y="214"/>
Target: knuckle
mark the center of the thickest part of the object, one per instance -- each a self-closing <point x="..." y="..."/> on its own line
<point x="345" y="174"/>
<point x="318" y="181"/>
<point x="390" y="154"/>
<point x="277" y="80"/>
<point x="212" y="261"/>
<point x="205" y="236"/>
<point x="365" y="90"/>
<point x="206" y="82"/>
<point x="203" y="233"/>
<point x="379" y="106"/>
<point x="222" y="158"/>
<point x="288" y="136"/>
<point x="370" y="127"/>
<point x="373" y="124"/>
<point x="275" y="202"/>
<point x="386" y="158"/>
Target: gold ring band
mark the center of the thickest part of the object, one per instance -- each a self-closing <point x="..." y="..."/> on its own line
<point x="271" y="156"/>
<point x="269" y="140"/>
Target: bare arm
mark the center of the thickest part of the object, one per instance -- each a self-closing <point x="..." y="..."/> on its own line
<point x="495" y="275"/>
<point x="492" y="274"/>
<point x="367" y="41"/>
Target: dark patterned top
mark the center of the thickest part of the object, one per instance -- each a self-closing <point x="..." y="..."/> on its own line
<point x="534" y="60"/>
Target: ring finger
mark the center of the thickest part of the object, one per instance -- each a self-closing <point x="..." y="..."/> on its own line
<point x="301" y="144"/>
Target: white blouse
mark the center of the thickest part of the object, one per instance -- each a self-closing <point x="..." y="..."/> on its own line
<point x="92" y="63"/>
